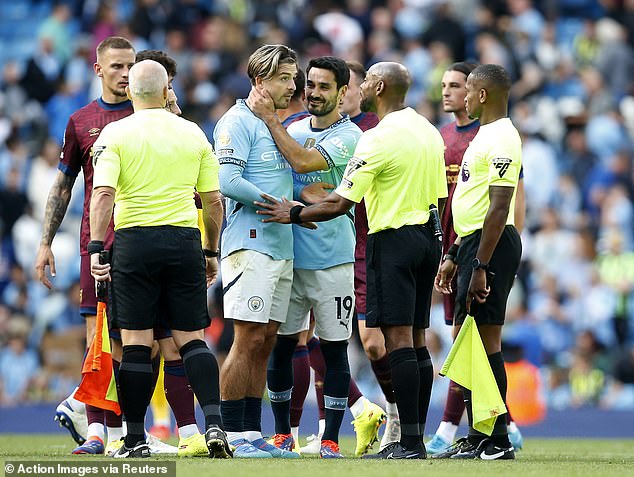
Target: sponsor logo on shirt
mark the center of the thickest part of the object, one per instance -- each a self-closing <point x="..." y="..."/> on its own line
<point x="272" y="156"/>
<point x="93" y="132"/>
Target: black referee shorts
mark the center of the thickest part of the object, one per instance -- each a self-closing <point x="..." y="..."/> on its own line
<point x="159" y="272"/>
<point x="504" y="264"/>
<point x="401" y="267"/>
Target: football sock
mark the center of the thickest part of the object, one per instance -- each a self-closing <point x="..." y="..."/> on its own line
<point x="426" y="374"/>
<point x="135" y="383"/>
<point x="500" y="433"/>
<point x="280" y="382"/>
<point x="202" y="372"/>
<point x="301" y="383"/>
<point x="336" y="386"/>
<point x="179" y="393"/>
<point x="253" y="417"/>
<point x="233" y="415"/>
<point x="354" y="394"/>
<point x="383" y="373"/>
<point x="317" y="363"/>
<point x="406" y="382"/>
<point x="454" y="406"/>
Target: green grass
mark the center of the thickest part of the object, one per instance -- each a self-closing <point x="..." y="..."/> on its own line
<point x="540" y="458"/>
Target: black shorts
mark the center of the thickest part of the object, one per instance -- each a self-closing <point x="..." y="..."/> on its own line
<point x="401" y="267"/>
<point x="159" y="272"/>
<point x="504" y="264"/>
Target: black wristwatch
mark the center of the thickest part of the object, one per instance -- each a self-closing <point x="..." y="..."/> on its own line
<point x="476" y="264"/>
<point x="210" y="253"/>
<point x="449" y="257"/>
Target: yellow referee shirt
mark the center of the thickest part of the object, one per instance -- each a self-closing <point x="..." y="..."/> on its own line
<point x="154" y="160"/>
<point x="399" y="168"/>
<point x="494" y="158"/>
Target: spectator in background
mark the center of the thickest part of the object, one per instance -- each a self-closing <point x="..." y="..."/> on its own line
<point x="56" y="28"/>
<point x="19" y="366"/>
<point x="42" y="73"/>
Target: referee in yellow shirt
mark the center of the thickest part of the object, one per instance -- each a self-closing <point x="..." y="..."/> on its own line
<point x="488" y="249"/>
<point x="399" y="168"/>
<point x="149" y="163"/>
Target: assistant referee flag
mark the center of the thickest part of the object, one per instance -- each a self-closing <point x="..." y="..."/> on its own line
<point x="98" y="387"/>
<point x="468" y="365"/>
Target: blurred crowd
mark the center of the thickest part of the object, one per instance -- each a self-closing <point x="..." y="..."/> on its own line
<point x="571" y="313"/>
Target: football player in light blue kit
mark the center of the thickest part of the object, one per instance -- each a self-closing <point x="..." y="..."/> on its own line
<point x="257" y="258"/>
<point x="318" y="148"/>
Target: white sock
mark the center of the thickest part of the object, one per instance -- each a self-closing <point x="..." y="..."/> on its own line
<point x="295" y="433"/>
<point x="114" y="434"/>
<point x="357" y="408"/>
<point x="252" y="435"/>
<point x="322" y="428"/>
<point x="391" y="409"/>
<point x="188" y="431"/>
<point x="234" y="436"/>
<point x="447" y="431"/>
<point x="512" y="427"/>
<point x="96" y="429"/>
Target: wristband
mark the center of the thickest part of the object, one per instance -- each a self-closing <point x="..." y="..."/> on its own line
<point x="210" y="253"/>
<point x="94" y="246"/>
<point x="453" y="250"/>
<point x="294" y="212"/>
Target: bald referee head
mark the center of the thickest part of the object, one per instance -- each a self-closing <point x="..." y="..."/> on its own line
<point x="384" y="88"/>
<point x="487" y="96"/>
<point x="147" y="85"/>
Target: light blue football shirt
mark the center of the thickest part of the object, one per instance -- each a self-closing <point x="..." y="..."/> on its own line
<point x="244" y="143"/>
<point x="333" y="242"/>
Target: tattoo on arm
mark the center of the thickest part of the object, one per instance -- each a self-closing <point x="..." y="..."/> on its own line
<point x="56" y="205"/>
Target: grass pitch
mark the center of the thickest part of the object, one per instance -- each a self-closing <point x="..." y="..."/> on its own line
<point x="540" y="458"/>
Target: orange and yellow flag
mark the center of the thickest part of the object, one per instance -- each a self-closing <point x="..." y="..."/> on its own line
<point x="98" y="387"/>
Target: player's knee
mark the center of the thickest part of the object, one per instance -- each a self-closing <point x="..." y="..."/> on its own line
<point x="374" y="350"/>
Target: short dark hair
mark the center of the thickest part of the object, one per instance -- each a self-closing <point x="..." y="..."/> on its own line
<point x="116" y="42"/>
<point x="331" y="63"/>
<point x="463" y="67"/>
<point x="300" y="85"/>
<point x="357" y="68"/>
<point x="266" y="60"/>
<point x="160" y="57"/>
<point x="495" y="76"/>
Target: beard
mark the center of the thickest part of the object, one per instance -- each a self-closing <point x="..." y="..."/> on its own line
<point x="367" y="105"/>
<point x="321" y="108"/>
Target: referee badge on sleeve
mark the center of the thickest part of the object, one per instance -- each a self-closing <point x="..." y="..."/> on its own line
<point x="502" y="164"/>
<point x="354" y="164"/>
<point x="96" y="152"/>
